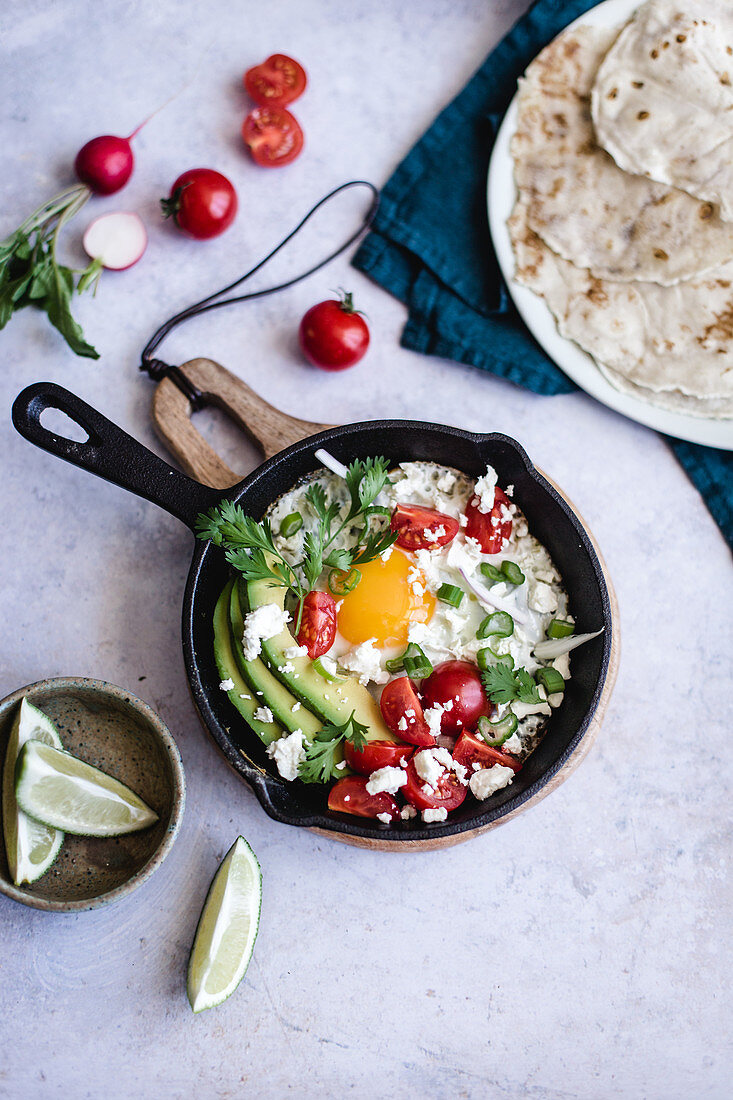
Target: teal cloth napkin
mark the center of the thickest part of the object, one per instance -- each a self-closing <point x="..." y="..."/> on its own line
<point x="431" y="247"/>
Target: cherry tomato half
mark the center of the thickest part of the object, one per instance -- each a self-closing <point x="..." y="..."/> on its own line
<point x="202" y="203"/>
<point x="334" y="335"/>
<point x="398" y="703"/>
<point x="412" y="521"/>
<point x="375" y="755"/>
<point x="273" y="136"/>
<point x="350" y="796"/>
<point x="449" y="793"/>
<point x="488" y="527"/>
<point x="276" y="82"/>
<point x="469" y="750"/>
<point x="317" y="623"/>
<point x="457" y="686"/>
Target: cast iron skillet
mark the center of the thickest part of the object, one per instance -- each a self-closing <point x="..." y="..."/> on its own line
<point x="112" y="454"/>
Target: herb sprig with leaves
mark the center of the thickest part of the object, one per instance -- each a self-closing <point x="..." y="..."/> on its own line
<point x="250" y="547"/>
<point x="504" y="685"/>
<point x="30" y="273"/>
<point x="319" y="765"/>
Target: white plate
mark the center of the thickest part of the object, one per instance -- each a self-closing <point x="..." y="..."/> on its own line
<point x="570" y="357"/>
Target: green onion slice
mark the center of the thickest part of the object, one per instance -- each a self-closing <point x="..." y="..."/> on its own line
<point x="550" y="679"/>
<point x="377" y="510"/>
<point x="485" y="658"/>
<point x="341" y="583"/>
<point x="327" y="671"/>
<point x="498" y="623"/>
<point x="496" y="733"/>
<point x="291" y="524"/>
<point x="560" y="628"/>
<point x="450" y="593"/>
<point x="413" y="661"/>
<point x="492" y="574"/>
<point x="512" y="572"/>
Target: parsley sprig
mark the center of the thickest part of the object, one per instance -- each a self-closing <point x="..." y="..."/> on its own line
<point x="319" y="765"/>
<point x="250" y="548"/>
<point x="504" y="685"/>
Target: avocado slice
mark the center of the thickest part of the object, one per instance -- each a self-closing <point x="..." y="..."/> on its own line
<point x="263" y="684"/>
<point x="241" y="695"/>
<point x="332" y="702"/>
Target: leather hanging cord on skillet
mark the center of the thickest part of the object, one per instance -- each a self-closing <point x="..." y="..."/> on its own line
<point x="158" y="369"/>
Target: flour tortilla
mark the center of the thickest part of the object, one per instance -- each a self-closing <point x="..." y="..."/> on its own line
<point x="662" y="102"/>
<point x="580" y="202"/>
<point x="671" y="346"/>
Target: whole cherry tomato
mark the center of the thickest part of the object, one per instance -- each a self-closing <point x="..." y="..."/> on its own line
<point x="403" y="714"/>
<point x="488" y="527"/>
<point x="276" y="82"/>
<point x="375" y="755"/>
<point x="413" y="521"/>
<point x="317" y="623"/>
<point x="334" y="335"/>
<point x="448" y="792"/>
<point x="273" y="136"/>
<point x="469" y="750"/>
<point x="202" y="203"/>
<point x="456" y="686"/>
<point x="350" y="796"/>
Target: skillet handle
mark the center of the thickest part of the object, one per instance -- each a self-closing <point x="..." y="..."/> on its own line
<point x="109" y="452"/>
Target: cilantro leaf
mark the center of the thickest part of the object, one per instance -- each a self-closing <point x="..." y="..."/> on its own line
<point x="504" y="685"/>
<point x="500" y="683"/>
<point x="365" y="479"/>
<point x="320" y="761"/>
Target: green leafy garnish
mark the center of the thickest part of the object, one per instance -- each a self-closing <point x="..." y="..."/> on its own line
<point x="30" y="274"/>
<point x="504" y="685"/>
<point x="319" y="765"/>
<point x="250" y="548"/>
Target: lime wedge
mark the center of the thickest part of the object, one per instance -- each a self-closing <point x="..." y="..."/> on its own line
<point x="30" y="846"/>
<point x="227" y="929"/>
<point x="58" y="789"/>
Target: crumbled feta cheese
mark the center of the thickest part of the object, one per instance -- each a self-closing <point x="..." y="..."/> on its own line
<point x="410" y="713"/>
<point x="439" y="814"/>
<point x="296" y="706"/>
<point x="288" y="753"/>
<point x="433" y="536"/>
<point x="387" y="554"/>
<point x="227" y="685"/>
<point x="287" y="667"/>
<point x="340" y="766"/>
<point x="433" y="716"/>
<point x="431" y="763"/>
<point x="294" y="651"/>
<point x="446" y="482"/>
<point x="542" y="598"/>
<point x="509" y="491"/>
<point x="487" y="781"/>
<point x="463" y="519"/>
<point x="512" y="745"/>
<point x="366" y="663"/>
<point x="386" y="819"/>
<point x="461" y="772"/>
<point x="263" y="714"/>
<point x="243" y="696"/>
<point x="386" y="779"/>
<point x="264" y="622"/>
<point x="448" y="704"/>
<point x="407" y="812"/>
<point x="402" y="724"/>
<point x="485" y="490"/>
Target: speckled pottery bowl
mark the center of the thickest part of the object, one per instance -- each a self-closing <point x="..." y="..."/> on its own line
<point x="119" y="733"/>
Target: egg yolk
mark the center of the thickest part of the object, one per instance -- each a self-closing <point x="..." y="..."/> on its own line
<point x="383" y="604"/>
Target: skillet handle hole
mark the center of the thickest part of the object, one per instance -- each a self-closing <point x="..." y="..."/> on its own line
<point x="57" y="422"/>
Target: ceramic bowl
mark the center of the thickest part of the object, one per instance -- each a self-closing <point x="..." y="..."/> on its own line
<point x="120" y="734"/>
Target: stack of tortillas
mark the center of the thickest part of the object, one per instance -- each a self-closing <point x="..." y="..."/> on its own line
<point x="623" y="160"/>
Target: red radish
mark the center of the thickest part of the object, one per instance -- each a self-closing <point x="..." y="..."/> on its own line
<point x="117" y="240"/>
<point x="105" y="164"/>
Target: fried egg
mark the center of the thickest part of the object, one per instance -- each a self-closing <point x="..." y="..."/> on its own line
<point x="391" y="595"/>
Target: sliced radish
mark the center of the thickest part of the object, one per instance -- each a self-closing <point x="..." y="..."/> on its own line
<point x="118" y="240"/>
